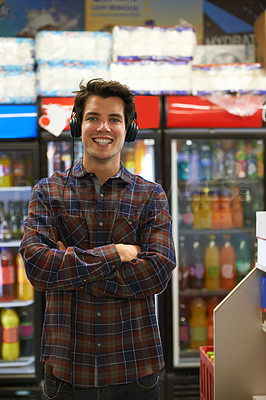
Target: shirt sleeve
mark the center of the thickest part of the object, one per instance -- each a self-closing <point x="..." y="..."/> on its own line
<point x="46" y="267"/>
<point x="150" y="273"/>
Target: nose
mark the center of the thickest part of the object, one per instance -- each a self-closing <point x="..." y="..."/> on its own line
<point x="103" y="126"/>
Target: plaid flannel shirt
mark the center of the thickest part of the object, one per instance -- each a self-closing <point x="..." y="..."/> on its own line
<point x="100" y="326"/>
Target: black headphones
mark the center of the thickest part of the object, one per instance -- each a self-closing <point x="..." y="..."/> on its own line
<point x="75" y="128"/>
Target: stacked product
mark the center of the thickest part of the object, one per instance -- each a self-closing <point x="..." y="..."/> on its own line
<point x="17" y="76"/>
<point x="64" y="59"/>
<point x="153" y="60"/>
<point x="238" y="78"/>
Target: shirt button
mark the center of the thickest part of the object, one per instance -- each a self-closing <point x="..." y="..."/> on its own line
<point x="129" y="222"/>
<point x="101" y="194"/>
<point x="99" y="314"/>
<point x="113" y="266"/>
<point x="99" y="344"/>
<point x="101" y="223"/>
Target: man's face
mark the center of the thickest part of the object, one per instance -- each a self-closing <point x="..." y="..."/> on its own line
<point x="103" y="130"/>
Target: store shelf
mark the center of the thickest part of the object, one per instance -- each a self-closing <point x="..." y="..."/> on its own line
<point x="20" y="362"/>
<point x="16" y="303"/>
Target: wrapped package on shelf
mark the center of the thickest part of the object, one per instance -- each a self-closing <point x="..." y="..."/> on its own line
<point x="228" y="78"/>
<point x="17" y="85"/>
<point x="224" y="54"/>
<point x="64" y="59"/>
<point x="153" y="43"/>
<point x="82" y="46"/>
<point x="153" y="77"/>
<point x="17" y="76"/>
<point x="63" y="77"/>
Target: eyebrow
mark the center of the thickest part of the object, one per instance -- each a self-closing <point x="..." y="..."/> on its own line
<point x="97" y="114"/>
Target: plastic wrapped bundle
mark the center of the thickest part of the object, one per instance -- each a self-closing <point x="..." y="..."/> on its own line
<point x="62" y="78"/>
<point x="153" y="77"/>
<point x="228" y="78"/>
<point x="17" y="52"/>
<point x="17" y="85"/>
<point x="78" y="46"/>
<point x="153" y="43"/>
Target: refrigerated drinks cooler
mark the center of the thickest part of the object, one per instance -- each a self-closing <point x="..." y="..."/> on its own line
<point x="19" y="362"/>
<point x="142" y="157"/>
<point x="215" y="186"/>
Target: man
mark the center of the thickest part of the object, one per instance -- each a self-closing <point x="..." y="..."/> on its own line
<point x="98" y="241"/>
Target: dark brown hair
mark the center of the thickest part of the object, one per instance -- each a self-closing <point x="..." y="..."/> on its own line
<point x="105" y="89"/>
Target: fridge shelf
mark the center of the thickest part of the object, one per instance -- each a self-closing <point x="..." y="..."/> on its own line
<point x="20" y="362"/>
<point x="10" y="243"/>
<point x="16" y="188"/>
<point x="232" y="231"/>
<point x="203" y="292"/>
<point x="16" y="303"/>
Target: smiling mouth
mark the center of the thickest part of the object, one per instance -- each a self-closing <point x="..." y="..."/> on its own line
<point x="102" y="141"/>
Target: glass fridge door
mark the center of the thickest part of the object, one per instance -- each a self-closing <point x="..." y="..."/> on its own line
<point x="19" y="304"/>
<point x="217" y="186"/>
<point x="138" y="157"/>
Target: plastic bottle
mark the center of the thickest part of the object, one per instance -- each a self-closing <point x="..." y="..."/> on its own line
<point x="241" y="160"/>
<point x="195" y="205"/>
<point x="7" y="275"/>
<point x="183" y="265"/>
<point x="25" y="290"/>
<point x="230" y="163"/>
<point x="197" y="266"/>
<point x="198" y="324"/>
<point x="130" y="159"/>
<point x="205" y="206"/>
<point x="215" y="210"/>
<point x="237" y="210"/>
<point x="10" y="326"/>
<point x="188" y="214"/>
<point x="212" y="265"/>
<point x="183" y="326"/>
<point x="226" y="210"/>
<point x="243" y="261"/>
<point x="228" y="265"/>
<point x="183" y="162"/>
<point x="249" y="217"/>
<point x="6" y="177"/>
<point x="211" y="304"/>
<point x="218" y="169"/>
<point x="252" y="169"/>
<point x="194" y="163"/>
<point x="205" y="162"/>
<point x="260" y="158"/>
<point x="26" y="332"/>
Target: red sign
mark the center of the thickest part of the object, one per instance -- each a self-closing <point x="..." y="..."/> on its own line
<point x="199" y="112"/>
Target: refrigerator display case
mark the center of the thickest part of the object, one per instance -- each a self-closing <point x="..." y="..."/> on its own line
<point x="215" y="186"/>
<point x="20" y="342"/>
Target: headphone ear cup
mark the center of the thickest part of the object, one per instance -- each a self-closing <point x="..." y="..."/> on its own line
<point x="75" y="129"/>
<point x="131" y="132"/>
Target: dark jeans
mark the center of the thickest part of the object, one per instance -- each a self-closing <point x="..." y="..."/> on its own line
<point x="146" y="388"/>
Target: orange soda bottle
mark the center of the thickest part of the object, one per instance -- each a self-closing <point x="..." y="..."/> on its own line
<point x="226" y="210"/>
<point x="198" y="324"/>
<point x="228" y="265"/>
<point x="25" y="290"/>
<point x="212" y="303"/>
<point x="216" y="211"/>
<point x="212" y="265"/>
<point x="195" y="205"/>
<point x="10" y="325"/>
<point x="237" y="210"/>
<point x="205" y="204"/>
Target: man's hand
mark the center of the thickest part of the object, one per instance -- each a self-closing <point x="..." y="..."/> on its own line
<point x="127" y="252"/>
<point x="61" y="246"/>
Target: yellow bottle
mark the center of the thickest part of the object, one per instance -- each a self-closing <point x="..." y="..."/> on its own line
<point x="10" y="326"/>
<point x="206" y="213"/>
<point x="25" y="290"/>
<point x="198" y="324"/>
<point x="212" y="265"/>
<point x="195" y="205"/>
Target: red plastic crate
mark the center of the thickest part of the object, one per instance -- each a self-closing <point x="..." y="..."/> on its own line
<point x="206" y="374"/>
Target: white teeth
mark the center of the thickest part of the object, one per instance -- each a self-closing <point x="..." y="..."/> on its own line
<point x="102" y="141"/>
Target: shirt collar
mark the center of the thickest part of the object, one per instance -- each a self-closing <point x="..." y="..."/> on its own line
<point x="79" y="171"/>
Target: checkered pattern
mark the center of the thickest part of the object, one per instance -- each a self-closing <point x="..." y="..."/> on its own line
<point x="100" y="325"/>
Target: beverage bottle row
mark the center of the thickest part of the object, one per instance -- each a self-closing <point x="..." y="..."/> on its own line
<point x="14" y="284"/>
<point x="206" y="160"/>
<point x="12" y="220"/>
<point x="15" y="169"/>
<point x="212" y="267"/>
<point x="17" y="333"/>
<point x="196" y="322"/>
<point x="220" y="209"/>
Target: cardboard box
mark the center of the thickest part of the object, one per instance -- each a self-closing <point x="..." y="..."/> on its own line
<point x="260" y="38"/>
